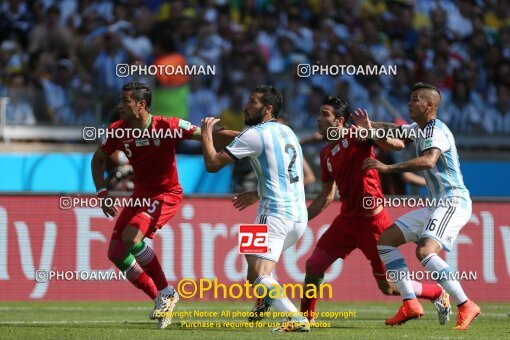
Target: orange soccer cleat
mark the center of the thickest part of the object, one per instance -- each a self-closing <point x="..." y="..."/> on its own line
<point x="410" y="309"/>
<point x="466" y="314"/>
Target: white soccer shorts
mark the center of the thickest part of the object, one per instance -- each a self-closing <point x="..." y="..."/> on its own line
<point x="282" y="234"/>
<point x="442" y="224"/>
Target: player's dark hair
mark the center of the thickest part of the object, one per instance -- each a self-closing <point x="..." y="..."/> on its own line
<point x="270" y="96"/>
<point x="340" y="106"/>
<point x="141" y="91"/>
<point x="420" y="86"/>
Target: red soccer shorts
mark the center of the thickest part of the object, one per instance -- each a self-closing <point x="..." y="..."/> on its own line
<point x="150" y="218"/>
<point x="348" y="233"/>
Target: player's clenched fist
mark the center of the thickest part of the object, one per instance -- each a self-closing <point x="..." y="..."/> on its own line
<point x="208" y="125"/>
<point x="109" y="209"/>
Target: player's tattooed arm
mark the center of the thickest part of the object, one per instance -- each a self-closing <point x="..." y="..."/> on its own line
<point x="425" y="162"/>
<point x="385" y="126"/>
<point x="98" y="165"/>
<point x="321" y="202"/>
<point x="214" y="161"/>
<point x="390" y="144"/>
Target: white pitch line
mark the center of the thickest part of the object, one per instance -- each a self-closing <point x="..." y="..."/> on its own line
<point x="359" y="311"/>
<point x="67" y="322"/>
<point x="70" y="309"/>
<point x="80" y="309"/>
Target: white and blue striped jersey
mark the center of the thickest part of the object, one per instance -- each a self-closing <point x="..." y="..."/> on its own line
<point x="276" y="157"/>
<point x="445" y="180"/>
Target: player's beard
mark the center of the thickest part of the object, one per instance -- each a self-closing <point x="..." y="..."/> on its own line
<point x="254" y="120"/>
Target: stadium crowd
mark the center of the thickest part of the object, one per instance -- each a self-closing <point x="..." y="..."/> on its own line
<point x="57" y="58"/>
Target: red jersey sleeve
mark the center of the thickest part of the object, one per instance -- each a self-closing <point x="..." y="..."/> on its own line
<point x="109" y="144"/>
<point x="182" y="127"/>
<point x="325" y="174"/>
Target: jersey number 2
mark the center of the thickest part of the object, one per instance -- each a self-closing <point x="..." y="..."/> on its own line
<point x="290" y="147"/>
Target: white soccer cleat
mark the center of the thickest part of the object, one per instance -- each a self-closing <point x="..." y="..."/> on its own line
<point x="294" y="324"/>
<point x="443" y="307"/>
<point x="261" y="306"/>
<point x="164" y="307"/>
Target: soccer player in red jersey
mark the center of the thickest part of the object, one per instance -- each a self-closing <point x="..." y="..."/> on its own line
<point x="155" y="177"/>
<point x="359" y="223"/>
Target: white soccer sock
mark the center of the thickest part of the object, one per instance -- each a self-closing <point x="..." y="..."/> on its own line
<point x="133" y="271"/>
<point x="417" y="287"/>
<point x="280" y="303"/>
<point x="395" y="263"/>
<point x="433" y="263"/>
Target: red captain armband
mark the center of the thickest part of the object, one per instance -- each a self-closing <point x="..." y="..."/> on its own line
<point x="102" y="192"/>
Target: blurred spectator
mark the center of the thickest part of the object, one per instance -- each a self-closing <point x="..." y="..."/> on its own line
<point x="400" y="88"/>
<point x="232" y="117"/>
<point x="170" y="97"/>
<point x="133" y="41"/>
<point x="498" y="14"/>
<point x="497" y="117"/>
<point x="461" y="111"/>
<point x="84" y="106"/>
<point x="105" y="72"/>
<point x="12" y="57"/>
<point x="19" y="109"/>
<point x="459" y="18"/>
<point x="48" y="35"/>
<point x="15" y="20"/>
<point x="104" y="69"/>
<point x="252" y="42"/>
<point x="58" y="92"/>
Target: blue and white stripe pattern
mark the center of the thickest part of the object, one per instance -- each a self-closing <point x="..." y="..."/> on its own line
<point x="445" y="180"/>
<point x="280" y="197"/>
<point x="276" y="156"/>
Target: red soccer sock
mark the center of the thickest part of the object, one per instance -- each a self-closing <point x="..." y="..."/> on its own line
<point x="141" y="280"/>
<point x="145" y="283"/>
<point x="146" y="257"/>
<point x="308" y="307"/>
<point x="427" y="290"/>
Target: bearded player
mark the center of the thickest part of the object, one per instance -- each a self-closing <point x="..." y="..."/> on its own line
<point x="432" y="228"/>
<point x="155" y="177"/>
<point x="275" y="154"/>
<point x="357" y="226"/>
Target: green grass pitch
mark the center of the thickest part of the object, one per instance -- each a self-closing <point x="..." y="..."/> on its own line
<point x="129" y="320"/>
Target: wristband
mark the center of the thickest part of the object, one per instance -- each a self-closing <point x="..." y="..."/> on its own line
<point x="101" y="192"/>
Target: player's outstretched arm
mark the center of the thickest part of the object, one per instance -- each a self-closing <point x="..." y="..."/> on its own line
<point x="427" y="161"/>
<point x="221" y="137"/>
<point x="214" y="161"/>
<point x="390" y="144"/>
<point x="98" y="166"/>
<point x="385" y="126"/>
<point x="362" y="121"/>
<point x="361" y="118"/>
<point x="325" y="197"/>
